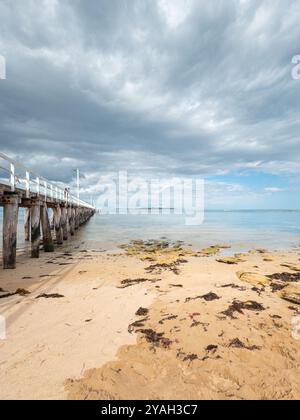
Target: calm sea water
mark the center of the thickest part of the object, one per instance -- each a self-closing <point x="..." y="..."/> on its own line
<point x="241" y="229"/>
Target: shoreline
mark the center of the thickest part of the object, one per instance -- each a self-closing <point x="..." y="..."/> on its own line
<point x="63" y="346"/>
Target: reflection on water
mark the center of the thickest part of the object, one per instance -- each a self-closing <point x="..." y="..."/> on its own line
<point x="242" y="229"/>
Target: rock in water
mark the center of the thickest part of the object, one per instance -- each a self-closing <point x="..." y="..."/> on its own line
<point x="252" y="278"/>
<point x="291" y="294"/>
<point x="230" y="260"/>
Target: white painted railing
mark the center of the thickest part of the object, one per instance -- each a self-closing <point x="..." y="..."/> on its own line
<point x="17" y="176"/>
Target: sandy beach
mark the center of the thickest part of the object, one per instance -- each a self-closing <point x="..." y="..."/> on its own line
<point x="93" y="324"/>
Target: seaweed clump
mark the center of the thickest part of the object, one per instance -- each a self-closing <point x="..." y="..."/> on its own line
<point x="240" y="307"/>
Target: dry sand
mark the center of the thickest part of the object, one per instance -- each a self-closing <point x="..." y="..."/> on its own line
<point x="87" y="344"/>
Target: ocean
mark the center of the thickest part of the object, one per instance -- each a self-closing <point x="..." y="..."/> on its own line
<point x="243" y="230"/>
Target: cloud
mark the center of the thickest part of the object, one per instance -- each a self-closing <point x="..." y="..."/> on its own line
<point x="157" y="87"/>
<point x="273" y="190"/>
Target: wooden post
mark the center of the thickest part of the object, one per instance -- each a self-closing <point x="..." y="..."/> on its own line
<point x="76" y="218"/>
<point x="47" y="237"/>
<point x="57" y="225"/>
<point x="10" y="224"/>
<point x="27" y="224"/>
<point x="70" y="219"/>
<point x="35" y="217"/>
<point x="64" y="223"/>
<point x="73" y="219"/>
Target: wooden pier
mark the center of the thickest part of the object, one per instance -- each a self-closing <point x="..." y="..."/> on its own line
<point x="20" y="187"/>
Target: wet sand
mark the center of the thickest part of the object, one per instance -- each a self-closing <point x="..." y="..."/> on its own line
<point x="150" y="322"/>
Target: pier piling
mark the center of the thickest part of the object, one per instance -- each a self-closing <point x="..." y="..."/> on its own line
<point x="57" y="225"/>
<point x="27" y="225"/>
<point x="10" y="223"/>
<point x="46" y="229"/>
<point x="64" y="223"/>
<point x="35" y="217"/>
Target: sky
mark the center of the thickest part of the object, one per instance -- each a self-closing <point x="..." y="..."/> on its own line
<point x="159" y="88"/>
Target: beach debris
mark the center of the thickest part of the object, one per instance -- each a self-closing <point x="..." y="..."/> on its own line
<point x="238" y="344"/>
<point x="142" y="311"/>
<point x="194" y="314"/>
<point x="277" y="286"/>
<point x="50" y="296"/>
<point x="42" y="276"/>
<point x="291" y="294"/>
<point x="210" y="351"/>
<point x="292" y="308"/>
<point x="175" y="285"/>
<point x="253" y="278"/>
<point x="159" y="268"/>
<point x="292" y="267"/>
<point x="239" y="307"/>
<point x="285" y="277"/>
<point x="168" y="318"/>
<point x="196" y="323"/>
<point x="258" y="290"/>
<point x="137" y="324"/>
<point x="186" y="357"/>
<point x="209" y="297"/>
<point x="211" y="348"/>
<point x="20" y="292"/>
<point x="190" y="298"/>
<point x="275" y="317"/>
<point x="132" y="282"/>
<point x="164" y="255"/>
<point x="190" y="357"/>
<point x="156" y="339"/>
<point x="233" y="286"/>
<point x="26" y="278"/>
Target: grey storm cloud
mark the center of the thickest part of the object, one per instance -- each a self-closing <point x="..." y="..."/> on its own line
<point x="176" y="87"/>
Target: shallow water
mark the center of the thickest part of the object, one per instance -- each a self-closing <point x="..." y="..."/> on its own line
<point x="241" y="229"/>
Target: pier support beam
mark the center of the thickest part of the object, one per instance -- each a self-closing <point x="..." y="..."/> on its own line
<point x="10" y="223"/>
<point x="27" y="224"/>
<point x="64" y="223"/>
<point x="46" y="228"/>
<point x="77" y="218"/>
<point x="70" y="219"/>
<point x="57" y="225"/>
<point x="35" y="217"/>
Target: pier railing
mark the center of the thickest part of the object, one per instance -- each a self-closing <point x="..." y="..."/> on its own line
<point x="16" y="176"/>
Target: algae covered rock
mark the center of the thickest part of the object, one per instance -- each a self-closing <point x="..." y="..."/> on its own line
<point x="229" y="260"/>
<point x="237" y="258"/>
<point x="268" y="258"/>
<point x="213" y="250"/>
<point x="291" y="294"/>
<point x="253" y="278"/>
